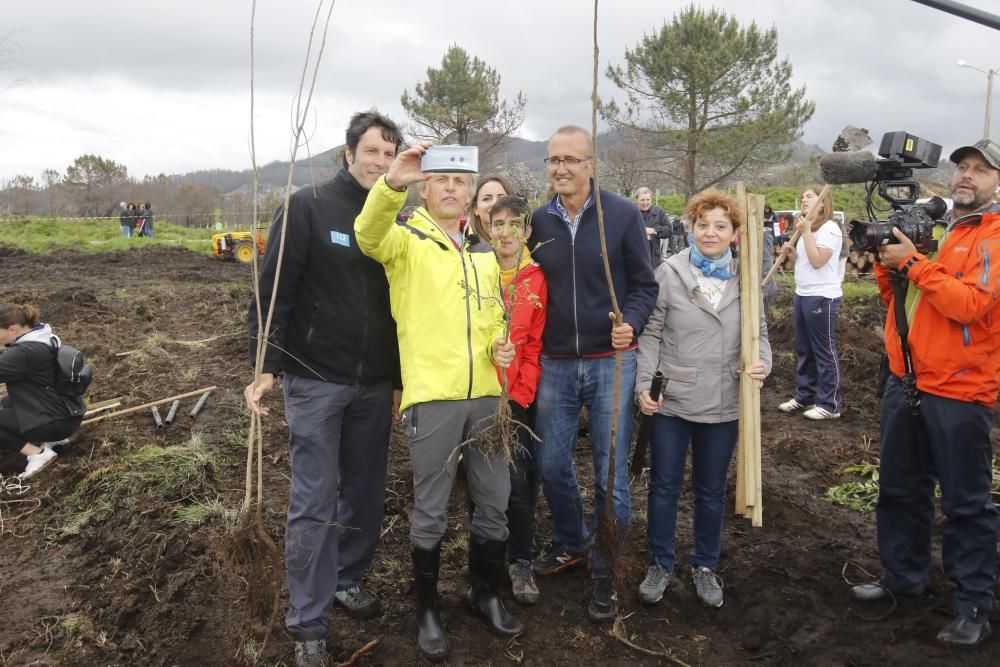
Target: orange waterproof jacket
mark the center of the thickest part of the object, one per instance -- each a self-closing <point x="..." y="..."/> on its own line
<point x="955" y="324"/>
<point x="527" y="322"/>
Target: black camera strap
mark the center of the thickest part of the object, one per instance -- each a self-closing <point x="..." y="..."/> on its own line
<point x="900" y="284"/>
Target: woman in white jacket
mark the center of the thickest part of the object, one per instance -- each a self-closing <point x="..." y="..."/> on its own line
<point x="693" y="338"/>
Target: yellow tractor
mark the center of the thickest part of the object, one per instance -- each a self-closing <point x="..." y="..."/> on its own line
<point x="237" y="245"/>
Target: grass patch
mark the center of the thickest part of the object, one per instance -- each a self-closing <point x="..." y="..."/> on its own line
<point x="859" y="290"/>
<point x="199" y="512"/>
<point x="43" y="235"/>
<point x="162" y="473"/>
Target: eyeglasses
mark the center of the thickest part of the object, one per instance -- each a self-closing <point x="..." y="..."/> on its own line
<point x="571" y="162"/>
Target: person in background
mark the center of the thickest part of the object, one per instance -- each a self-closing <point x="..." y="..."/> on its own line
<point x="658" y="225"/>
<point x="126" y="220"/>
<point x="32" y="412"/>
<point x="147" y="220"/>
<point x="525" y="296"/>
<point x="693" y="338"/>
<point x="489" y="189"/>
<point x="767" y="261"/>
<point x="818" y="289"/>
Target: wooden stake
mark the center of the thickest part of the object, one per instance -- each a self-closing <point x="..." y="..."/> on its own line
<point x="146" y="406"/>
<point x="749" y="492"/>
<point x="101" y="408"/>
<point x="102" y="404"/>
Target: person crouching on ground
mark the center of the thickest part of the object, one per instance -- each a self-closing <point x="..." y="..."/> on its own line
<point x="449" y="321"/>
<point x="693" y="338"/>
<point x="525" y="296"/>
<point x="32" y="411"/>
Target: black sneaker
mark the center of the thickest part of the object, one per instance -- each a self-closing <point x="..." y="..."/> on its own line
<point x="604" y="603"/>
<point x="556" y="560"/>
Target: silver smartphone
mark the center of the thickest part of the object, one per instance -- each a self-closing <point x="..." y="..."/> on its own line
<point x="451" y="159"/>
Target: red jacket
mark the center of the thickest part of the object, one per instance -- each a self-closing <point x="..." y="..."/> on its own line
<point x="526" y="325"/>
<point x="955" y="326"/>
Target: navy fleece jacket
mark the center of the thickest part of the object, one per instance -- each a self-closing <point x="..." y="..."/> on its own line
<point x="577" y="323"/>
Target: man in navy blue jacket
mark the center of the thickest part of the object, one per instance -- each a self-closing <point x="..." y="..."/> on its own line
<point x="579" y="343"/>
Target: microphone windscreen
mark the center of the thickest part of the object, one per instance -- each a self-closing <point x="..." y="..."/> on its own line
<point x="851" y="167"/>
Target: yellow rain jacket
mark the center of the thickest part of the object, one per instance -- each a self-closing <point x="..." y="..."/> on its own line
<point x="446" y="301"/>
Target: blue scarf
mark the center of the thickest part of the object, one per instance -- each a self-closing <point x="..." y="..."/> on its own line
<point x="717" y="268"/>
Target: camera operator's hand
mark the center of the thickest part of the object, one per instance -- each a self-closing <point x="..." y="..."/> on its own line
<point x="894" y="253"/>
<point x="405" y="169"/>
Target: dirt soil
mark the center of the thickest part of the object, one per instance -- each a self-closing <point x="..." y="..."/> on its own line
<point x="132" y="588"/>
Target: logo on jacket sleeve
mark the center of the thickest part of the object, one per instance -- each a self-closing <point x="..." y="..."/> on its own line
<point x="340" y="238"/>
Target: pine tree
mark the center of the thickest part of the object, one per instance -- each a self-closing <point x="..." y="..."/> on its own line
<point x="710" y="97"/>
<point x="460" y="103"/>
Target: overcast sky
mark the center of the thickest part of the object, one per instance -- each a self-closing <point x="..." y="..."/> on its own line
<point x="164" y="87"/>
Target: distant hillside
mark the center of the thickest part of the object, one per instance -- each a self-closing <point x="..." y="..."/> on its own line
<point x="324" y="165"/>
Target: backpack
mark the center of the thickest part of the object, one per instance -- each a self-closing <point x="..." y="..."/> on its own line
<point x="73" y="373"/>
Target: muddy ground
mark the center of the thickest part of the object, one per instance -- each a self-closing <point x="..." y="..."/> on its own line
<point x="91" y="575"/>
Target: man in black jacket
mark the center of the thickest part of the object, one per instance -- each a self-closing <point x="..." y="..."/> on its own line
<point x="333" y="337"/>
<point x="658" y="226"/>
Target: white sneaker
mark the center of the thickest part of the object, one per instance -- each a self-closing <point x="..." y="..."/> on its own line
<point x="38" y="461"/>
<point x="816" y="412"/>
<point x="791" y="405"/>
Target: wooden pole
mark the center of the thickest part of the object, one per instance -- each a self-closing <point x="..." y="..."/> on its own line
<point x="104" y="404"/>
<point x="146" y="406"/>
<point x="794" y="238"/>
<point x="749" y="491"/>
<point x="102" y="408"/>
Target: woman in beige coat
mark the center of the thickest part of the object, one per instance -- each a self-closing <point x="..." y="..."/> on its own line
<point x="693" y="338"/>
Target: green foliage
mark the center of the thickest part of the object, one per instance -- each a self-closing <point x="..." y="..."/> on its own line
<point x="859" y="494"/>
<point x="460" y="103"/>
<point x="41" y="235"/>
<point x="712" y="97"/>
<point x="859" y="289"/>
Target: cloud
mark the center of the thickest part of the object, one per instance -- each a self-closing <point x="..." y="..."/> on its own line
<point x="164" y="87"/>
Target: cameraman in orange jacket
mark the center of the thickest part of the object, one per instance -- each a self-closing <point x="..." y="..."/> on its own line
<point x="940" y="432"/>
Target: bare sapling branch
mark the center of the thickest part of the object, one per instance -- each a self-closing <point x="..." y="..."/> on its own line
<point x="609" y="534"/>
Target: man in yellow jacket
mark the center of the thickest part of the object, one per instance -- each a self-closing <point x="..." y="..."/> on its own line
<point x="449" y="322"/>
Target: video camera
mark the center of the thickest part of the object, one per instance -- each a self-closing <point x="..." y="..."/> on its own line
<point x="899" y="154"/>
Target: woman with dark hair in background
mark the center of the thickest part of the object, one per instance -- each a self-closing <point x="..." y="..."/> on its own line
<point x="32" y="411"/>
<point x="488" y="191"/>
<point x="147" y="220"/>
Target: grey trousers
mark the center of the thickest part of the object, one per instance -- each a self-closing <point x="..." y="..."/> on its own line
<point x="338" y="444"/>
<point x="435" y="429"/>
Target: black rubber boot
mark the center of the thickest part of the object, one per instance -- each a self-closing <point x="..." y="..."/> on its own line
<point x="486" y="566"/>
<point x="431" y="637"/>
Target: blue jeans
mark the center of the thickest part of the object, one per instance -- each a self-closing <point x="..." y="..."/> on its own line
<point x="566" y="386"/>
<point x="712" y="448"/>
<point x="949" y="443"/>
<point x="127" y="231"/>
<point x="818" y="372"/>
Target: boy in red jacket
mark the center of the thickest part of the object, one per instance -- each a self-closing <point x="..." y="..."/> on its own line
<point x="525" y="295"/>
